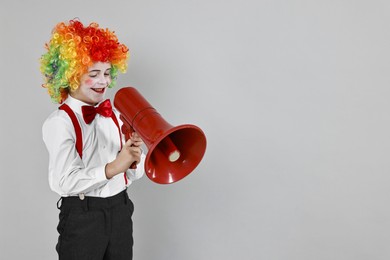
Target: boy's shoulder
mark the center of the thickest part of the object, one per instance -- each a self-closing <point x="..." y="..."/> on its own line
<point x="58" y="116"/>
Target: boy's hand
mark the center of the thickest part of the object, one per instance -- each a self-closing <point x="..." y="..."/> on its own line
<point x="135" y="140"/>
<point x="130" y="153"/>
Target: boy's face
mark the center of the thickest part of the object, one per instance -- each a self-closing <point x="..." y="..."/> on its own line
<point x="93" y="84"/>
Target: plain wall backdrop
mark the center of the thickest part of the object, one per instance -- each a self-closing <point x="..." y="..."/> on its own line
<point x="293" y="96"/>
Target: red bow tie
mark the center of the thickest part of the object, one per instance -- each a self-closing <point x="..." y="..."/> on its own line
<point x="89" y="112"/>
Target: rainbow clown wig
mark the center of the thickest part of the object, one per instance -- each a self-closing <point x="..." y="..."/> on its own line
<point x="72" y="49"/>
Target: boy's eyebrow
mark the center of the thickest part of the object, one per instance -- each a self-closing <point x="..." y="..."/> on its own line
<point x="98" y="70"/>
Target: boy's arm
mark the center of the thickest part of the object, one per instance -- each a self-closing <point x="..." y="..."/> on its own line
<point x="130" y="153"/>
<point x="133" y="174"/>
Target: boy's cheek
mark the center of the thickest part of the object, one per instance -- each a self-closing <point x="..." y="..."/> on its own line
<point x="89" y="82"/>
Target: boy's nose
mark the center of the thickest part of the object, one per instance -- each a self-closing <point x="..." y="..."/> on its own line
<point x="103" y="81"/>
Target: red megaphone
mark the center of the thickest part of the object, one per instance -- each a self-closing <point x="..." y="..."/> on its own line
<point x="173" y="152"/>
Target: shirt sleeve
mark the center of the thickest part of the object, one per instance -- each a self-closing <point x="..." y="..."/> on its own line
<point x="135" y="174"/>
<point x="68" y="175"/>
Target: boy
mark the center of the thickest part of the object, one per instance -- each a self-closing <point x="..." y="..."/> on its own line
<point x="88" y="159"/>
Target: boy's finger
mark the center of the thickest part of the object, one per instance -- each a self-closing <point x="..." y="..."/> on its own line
<point x="129" y="142"/>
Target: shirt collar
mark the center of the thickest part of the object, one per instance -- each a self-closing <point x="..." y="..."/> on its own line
<point x="75" y="104"/>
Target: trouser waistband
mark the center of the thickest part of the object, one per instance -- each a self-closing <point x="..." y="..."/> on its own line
<point x="94" y="202"/>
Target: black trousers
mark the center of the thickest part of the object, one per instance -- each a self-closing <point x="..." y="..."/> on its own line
<point x="96" y="228"/>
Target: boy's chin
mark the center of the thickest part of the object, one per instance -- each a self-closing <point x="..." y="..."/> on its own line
<point x="94" y="101"/>
<point x="98" y="99"/>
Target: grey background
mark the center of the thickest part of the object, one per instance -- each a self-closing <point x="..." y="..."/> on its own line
<point x="292" y="95"/>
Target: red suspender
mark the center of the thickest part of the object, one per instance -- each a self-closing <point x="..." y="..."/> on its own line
<point x="77" y="128"/>
<point x="117" y="124"/>
<point x="120" y="138"/>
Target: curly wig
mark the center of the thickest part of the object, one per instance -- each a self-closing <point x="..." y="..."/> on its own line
<point x="73" y="48"/>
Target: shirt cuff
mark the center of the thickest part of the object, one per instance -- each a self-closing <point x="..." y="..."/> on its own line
<point x="101" y="173"/>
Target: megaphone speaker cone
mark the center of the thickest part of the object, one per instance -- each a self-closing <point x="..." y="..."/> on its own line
<point x="190" y="143"/>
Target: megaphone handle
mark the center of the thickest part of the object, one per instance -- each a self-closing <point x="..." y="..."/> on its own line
<point x="127" y="130"/>
<point x="133" y="165"/>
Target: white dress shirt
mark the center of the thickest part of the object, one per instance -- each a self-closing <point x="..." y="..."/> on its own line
<point x="70" y="175"/>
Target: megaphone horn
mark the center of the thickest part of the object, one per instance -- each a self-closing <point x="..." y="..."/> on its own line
<point x="173" y="152"/>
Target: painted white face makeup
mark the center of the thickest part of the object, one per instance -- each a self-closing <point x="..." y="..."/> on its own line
<point x="93" y="84"/>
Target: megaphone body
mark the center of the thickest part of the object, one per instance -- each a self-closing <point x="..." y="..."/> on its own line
<point x="173" y="152"/>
